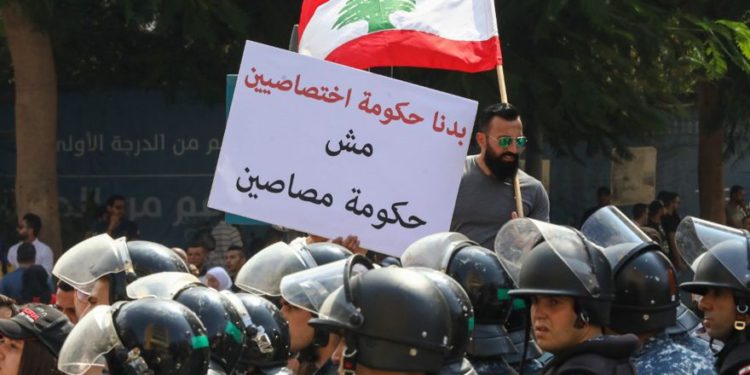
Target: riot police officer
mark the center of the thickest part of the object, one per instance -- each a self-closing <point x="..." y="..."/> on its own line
<point x="266" y="349"/>
<point x="302" y="295"/>
<point x="568" y="282"/>
<point x="98" y="268"/>
<point x="486" y="282"/>
<point x="462" y="322"/>
<point x="722" y="278"/>
<point x="137" y="337"/>
<point x="392" y="319"/>
<point x="222" y="320"/>
<point x="646" y="297"/>
<point x="312" y="348"/>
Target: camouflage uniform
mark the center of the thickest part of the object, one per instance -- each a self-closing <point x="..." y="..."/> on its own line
<point x="662" y="356"/>
<point x="698" y="346"/>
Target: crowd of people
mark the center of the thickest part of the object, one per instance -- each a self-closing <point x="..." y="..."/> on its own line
<point x="503" y="292"/>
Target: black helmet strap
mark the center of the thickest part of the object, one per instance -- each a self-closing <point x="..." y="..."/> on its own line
<point x="349" y="359"/>
<point x="582" y="316"/>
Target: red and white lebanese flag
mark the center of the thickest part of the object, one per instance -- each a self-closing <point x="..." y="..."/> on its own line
<point x="443" y="34"/>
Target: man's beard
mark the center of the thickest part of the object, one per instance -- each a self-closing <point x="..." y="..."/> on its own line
<point x="502" y="169"/>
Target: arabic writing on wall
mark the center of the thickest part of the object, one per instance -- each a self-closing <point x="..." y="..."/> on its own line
<point x="132" y="146"/>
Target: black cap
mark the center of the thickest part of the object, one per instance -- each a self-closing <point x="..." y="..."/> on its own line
<point x="43" y="322"/>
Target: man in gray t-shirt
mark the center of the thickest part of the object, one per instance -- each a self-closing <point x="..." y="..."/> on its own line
<point x="485" y="198"/>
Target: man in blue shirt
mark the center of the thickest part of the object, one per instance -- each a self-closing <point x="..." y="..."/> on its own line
<point x="12" y="284"/>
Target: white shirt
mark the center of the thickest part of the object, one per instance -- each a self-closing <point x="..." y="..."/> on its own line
<point x="44" y="256"/>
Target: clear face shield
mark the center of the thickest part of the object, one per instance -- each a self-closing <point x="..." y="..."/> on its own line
<point x="612" y="230"/>
<point x="608" y="226"/>
<point x="262" y="274"/>
<point x="84" y="350"/>
<point x="161" y="285"/>
<point x="695" y="236"/>
<point x="434" y="251"/>
<point x="92" y="259"/>
<point x="308" y="289"/>
<point x="519" y="236"/>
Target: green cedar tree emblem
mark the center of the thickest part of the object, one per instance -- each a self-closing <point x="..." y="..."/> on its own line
<point x="375" y="12"/>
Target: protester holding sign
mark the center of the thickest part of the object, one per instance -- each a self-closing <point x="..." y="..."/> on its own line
<point x="485" y="197"/>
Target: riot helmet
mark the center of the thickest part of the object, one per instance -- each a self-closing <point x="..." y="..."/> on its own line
<point x="645" y="280"/>
<point x="137" y="337"/>
<point x="725" y="265"/>
<point x="565" y="264"/>
<point x="150" y="257"/>
<point x="695" y="236"/>
<point x="94" y="258"/>
<point x="393" y="319"/>
<point x="269" y="348"/>
<point x="326" y="252"/>
<point x="462" y="314"/>
<point x="479" y="272"/>
<point x="306" y="290"/>
<point x="262" y="273"/>
<point x="221" y="319"/>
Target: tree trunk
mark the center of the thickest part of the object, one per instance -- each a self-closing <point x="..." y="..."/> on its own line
<point x="36" y="121"/>
<point x="710" y="147"/>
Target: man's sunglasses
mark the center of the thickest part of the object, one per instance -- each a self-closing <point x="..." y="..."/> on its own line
<point x="506" y="141"/>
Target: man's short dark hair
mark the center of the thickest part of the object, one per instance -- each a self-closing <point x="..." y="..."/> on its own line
<point x="505" y="111"/>
<point x="237" y="248"/>
<point x="639" y="209"/>
<point x="26" y="253"/>
<point x="667" y="197"/>
<point x="654" y="207"/>
<point x="34" y="222"/>
<point x="114" y="198"/>
<point x="735" y="189"/>
<point x="204" y="240"/>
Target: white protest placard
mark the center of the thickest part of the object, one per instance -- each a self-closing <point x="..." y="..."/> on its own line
<point x="330" y="150"/>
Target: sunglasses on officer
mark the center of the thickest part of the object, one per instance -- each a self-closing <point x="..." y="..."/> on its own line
<point x="505" y="141"/>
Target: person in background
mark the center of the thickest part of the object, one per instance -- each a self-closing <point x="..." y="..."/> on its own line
<point x="218" y="279"/>
<point x="36" y="286"/>
<point x="669" y="222"/>
<point x="655" y="213"/>
<point x="12" y="284"/>
<point x="197" y="254"/>
<point x="234" y="259"/>
<point x="746" y="222"/>
<point x="225" y="236"/>
<point x="29" y="228"/>
<point x="736" y="208"/>
<point x="114" y="222"/>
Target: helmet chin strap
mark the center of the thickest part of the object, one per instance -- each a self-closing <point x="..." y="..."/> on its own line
<point x="349" y="359"/>
<point x="740" y="318"/>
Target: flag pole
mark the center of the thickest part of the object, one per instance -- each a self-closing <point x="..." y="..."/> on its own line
<point x="504" y="99"/>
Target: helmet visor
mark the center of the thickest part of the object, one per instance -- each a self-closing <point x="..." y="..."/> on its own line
<point x="695" y="236"/>
<point x="608" y="226"/>
<point x="434" y="251"/>
<point x="262" y="274"/>
<point x="308" y="289"/>
<point x="161" y="285"/>
<point x="336" y="311"/>
<point x="88" y="342"/>
<point x="517" y="237"/>
<point x="91" y="259"/>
